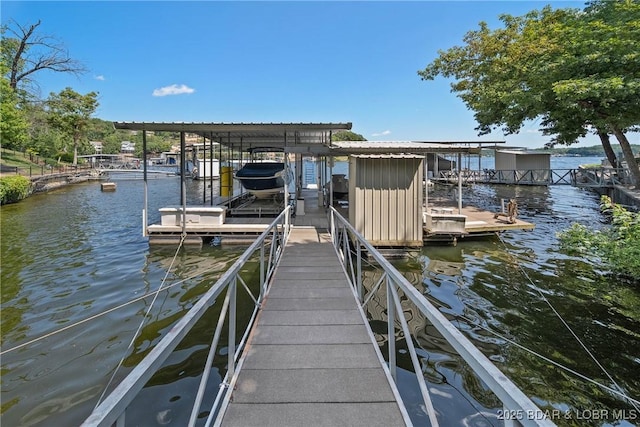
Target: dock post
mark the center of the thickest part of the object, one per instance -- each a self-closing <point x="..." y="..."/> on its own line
<point x="459" y="183"/>
<point x="262" y="273"/>
<point x="145" y="218"/>
<point x="226" y="181"/>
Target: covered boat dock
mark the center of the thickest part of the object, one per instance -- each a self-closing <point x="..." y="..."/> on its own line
<point x="379" y="194"/>
<point x="311" y="299"/>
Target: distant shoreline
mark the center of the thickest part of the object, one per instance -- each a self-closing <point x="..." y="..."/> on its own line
<point x="568" y="151"/>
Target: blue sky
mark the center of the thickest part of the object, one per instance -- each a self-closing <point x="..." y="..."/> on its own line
<point x="333" y="61"/>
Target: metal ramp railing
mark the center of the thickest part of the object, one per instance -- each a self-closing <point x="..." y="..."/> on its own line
<point x="269" y="245"/>
<point x="581" y="177"/>
<point x="350" y="245"/>
<point x="600" y="177"/>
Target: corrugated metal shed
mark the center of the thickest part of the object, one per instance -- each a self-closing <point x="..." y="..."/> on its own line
<point x="385" y="198"/>
<point x="522" y="160"/>
<point x="530" y="165"/>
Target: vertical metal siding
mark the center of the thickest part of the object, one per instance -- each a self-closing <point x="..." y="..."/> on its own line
<point x="524" y="167"/>
<point x="533" y="161"/>
<point x="538" y="165"/>
<point x="385" y="198"/>
<point x="505" y="161"/>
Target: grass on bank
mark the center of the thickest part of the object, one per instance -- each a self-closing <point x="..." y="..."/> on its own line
<point x="24" y="160"/>
<point x="14" y="185"/>
<point x="16" y="158"/>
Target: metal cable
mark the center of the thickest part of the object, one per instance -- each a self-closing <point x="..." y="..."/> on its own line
<point x="534" y="353"/>
<point x="96" y="316"/>
<point x="526" y="275"/>
<point x="142" y="322"/>
<point x="619" y="392"/>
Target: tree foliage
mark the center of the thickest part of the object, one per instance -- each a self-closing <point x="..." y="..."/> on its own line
<point x="347" y="135"/>
<point x="24" y="53"/>
<point x="13" y="123"/>
<point x="70" y="112"/>
<point x="618" y="246"/>
<point x="576" y="71"/>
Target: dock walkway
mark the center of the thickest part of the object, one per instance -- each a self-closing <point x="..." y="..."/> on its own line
<point x="311" y="360"/>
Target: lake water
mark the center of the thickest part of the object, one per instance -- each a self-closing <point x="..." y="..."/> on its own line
<point x="77" y="252"/>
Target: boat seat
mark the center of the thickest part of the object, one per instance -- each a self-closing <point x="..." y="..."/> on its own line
<point x="202" y="215"/>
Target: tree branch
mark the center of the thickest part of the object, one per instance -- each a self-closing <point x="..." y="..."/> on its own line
<point x="36" y="52"/>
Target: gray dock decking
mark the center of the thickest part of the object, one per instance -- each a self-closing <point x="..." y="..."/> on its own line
<point x="311" y="360"/>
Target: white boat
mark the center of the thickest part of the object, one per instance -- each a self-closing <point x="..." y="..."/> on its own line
<point x="340" y="186"/>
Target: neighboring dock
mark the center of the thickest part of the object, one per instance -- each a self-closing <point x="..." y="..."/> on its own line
<point x="470" y="221"/>
<point x="213" y="221"/>
<point x="311" y="359"/>
<point x="209" y="222"/>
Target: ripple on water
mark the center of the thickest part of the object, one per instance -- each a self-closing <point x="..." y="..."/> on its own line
<point x="502" y="284"/>
<point x="73" y="254"/>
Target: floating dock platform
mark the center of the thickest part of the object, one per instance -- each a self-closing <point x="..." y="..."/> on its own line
<point x="240" y="225"/>
<point x="237" y="223"/>
<point x="443" y="222"/>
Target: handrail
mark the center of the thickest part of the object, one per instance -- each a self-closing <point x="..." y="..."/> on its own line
<point x="578" y="177"/>
<point x="112" y="409"/>
<point x="600" y="177"/>
<point x="513" y="399"/>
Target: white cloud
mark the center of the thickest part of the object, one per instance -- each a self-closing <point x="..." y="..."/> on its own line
<point x="173" y="90"/>
<point x="383" y="133"/>
<point x="100" y="77"/>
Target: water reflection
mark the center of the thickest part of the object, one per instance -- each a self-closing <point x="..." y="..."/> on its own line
<point x="177" y="381"/>
<point x="496" y="291"/>
<point x="495" y="306"/>
<point x="456" y="391"/>
<point x="70" y="255"/>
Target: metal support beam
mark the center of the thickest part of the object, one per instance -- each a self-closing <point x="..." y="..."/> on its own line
<point x="145" y="209"/>
<point x="183" y="185"/>
<point x="459" y="183"/>
<point x="391" y="330"/>
<point x="219" y="170"/>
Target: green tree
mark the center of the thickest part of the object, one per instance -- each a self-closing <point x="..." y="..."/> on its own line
<point x="25" y="52"/>
<point x="44" y="139"/>
<point x="70" y="112"/>
<point x="155" y="145"/>
<point x="578" y="71"/>
<point x="13" y="123"/>
<point x="347" y="135"/>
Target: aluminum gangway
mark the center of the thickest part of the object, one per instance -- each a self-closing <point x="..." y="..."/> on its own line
<point x="306" y="356"/>
<point x="311" y="360"/>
